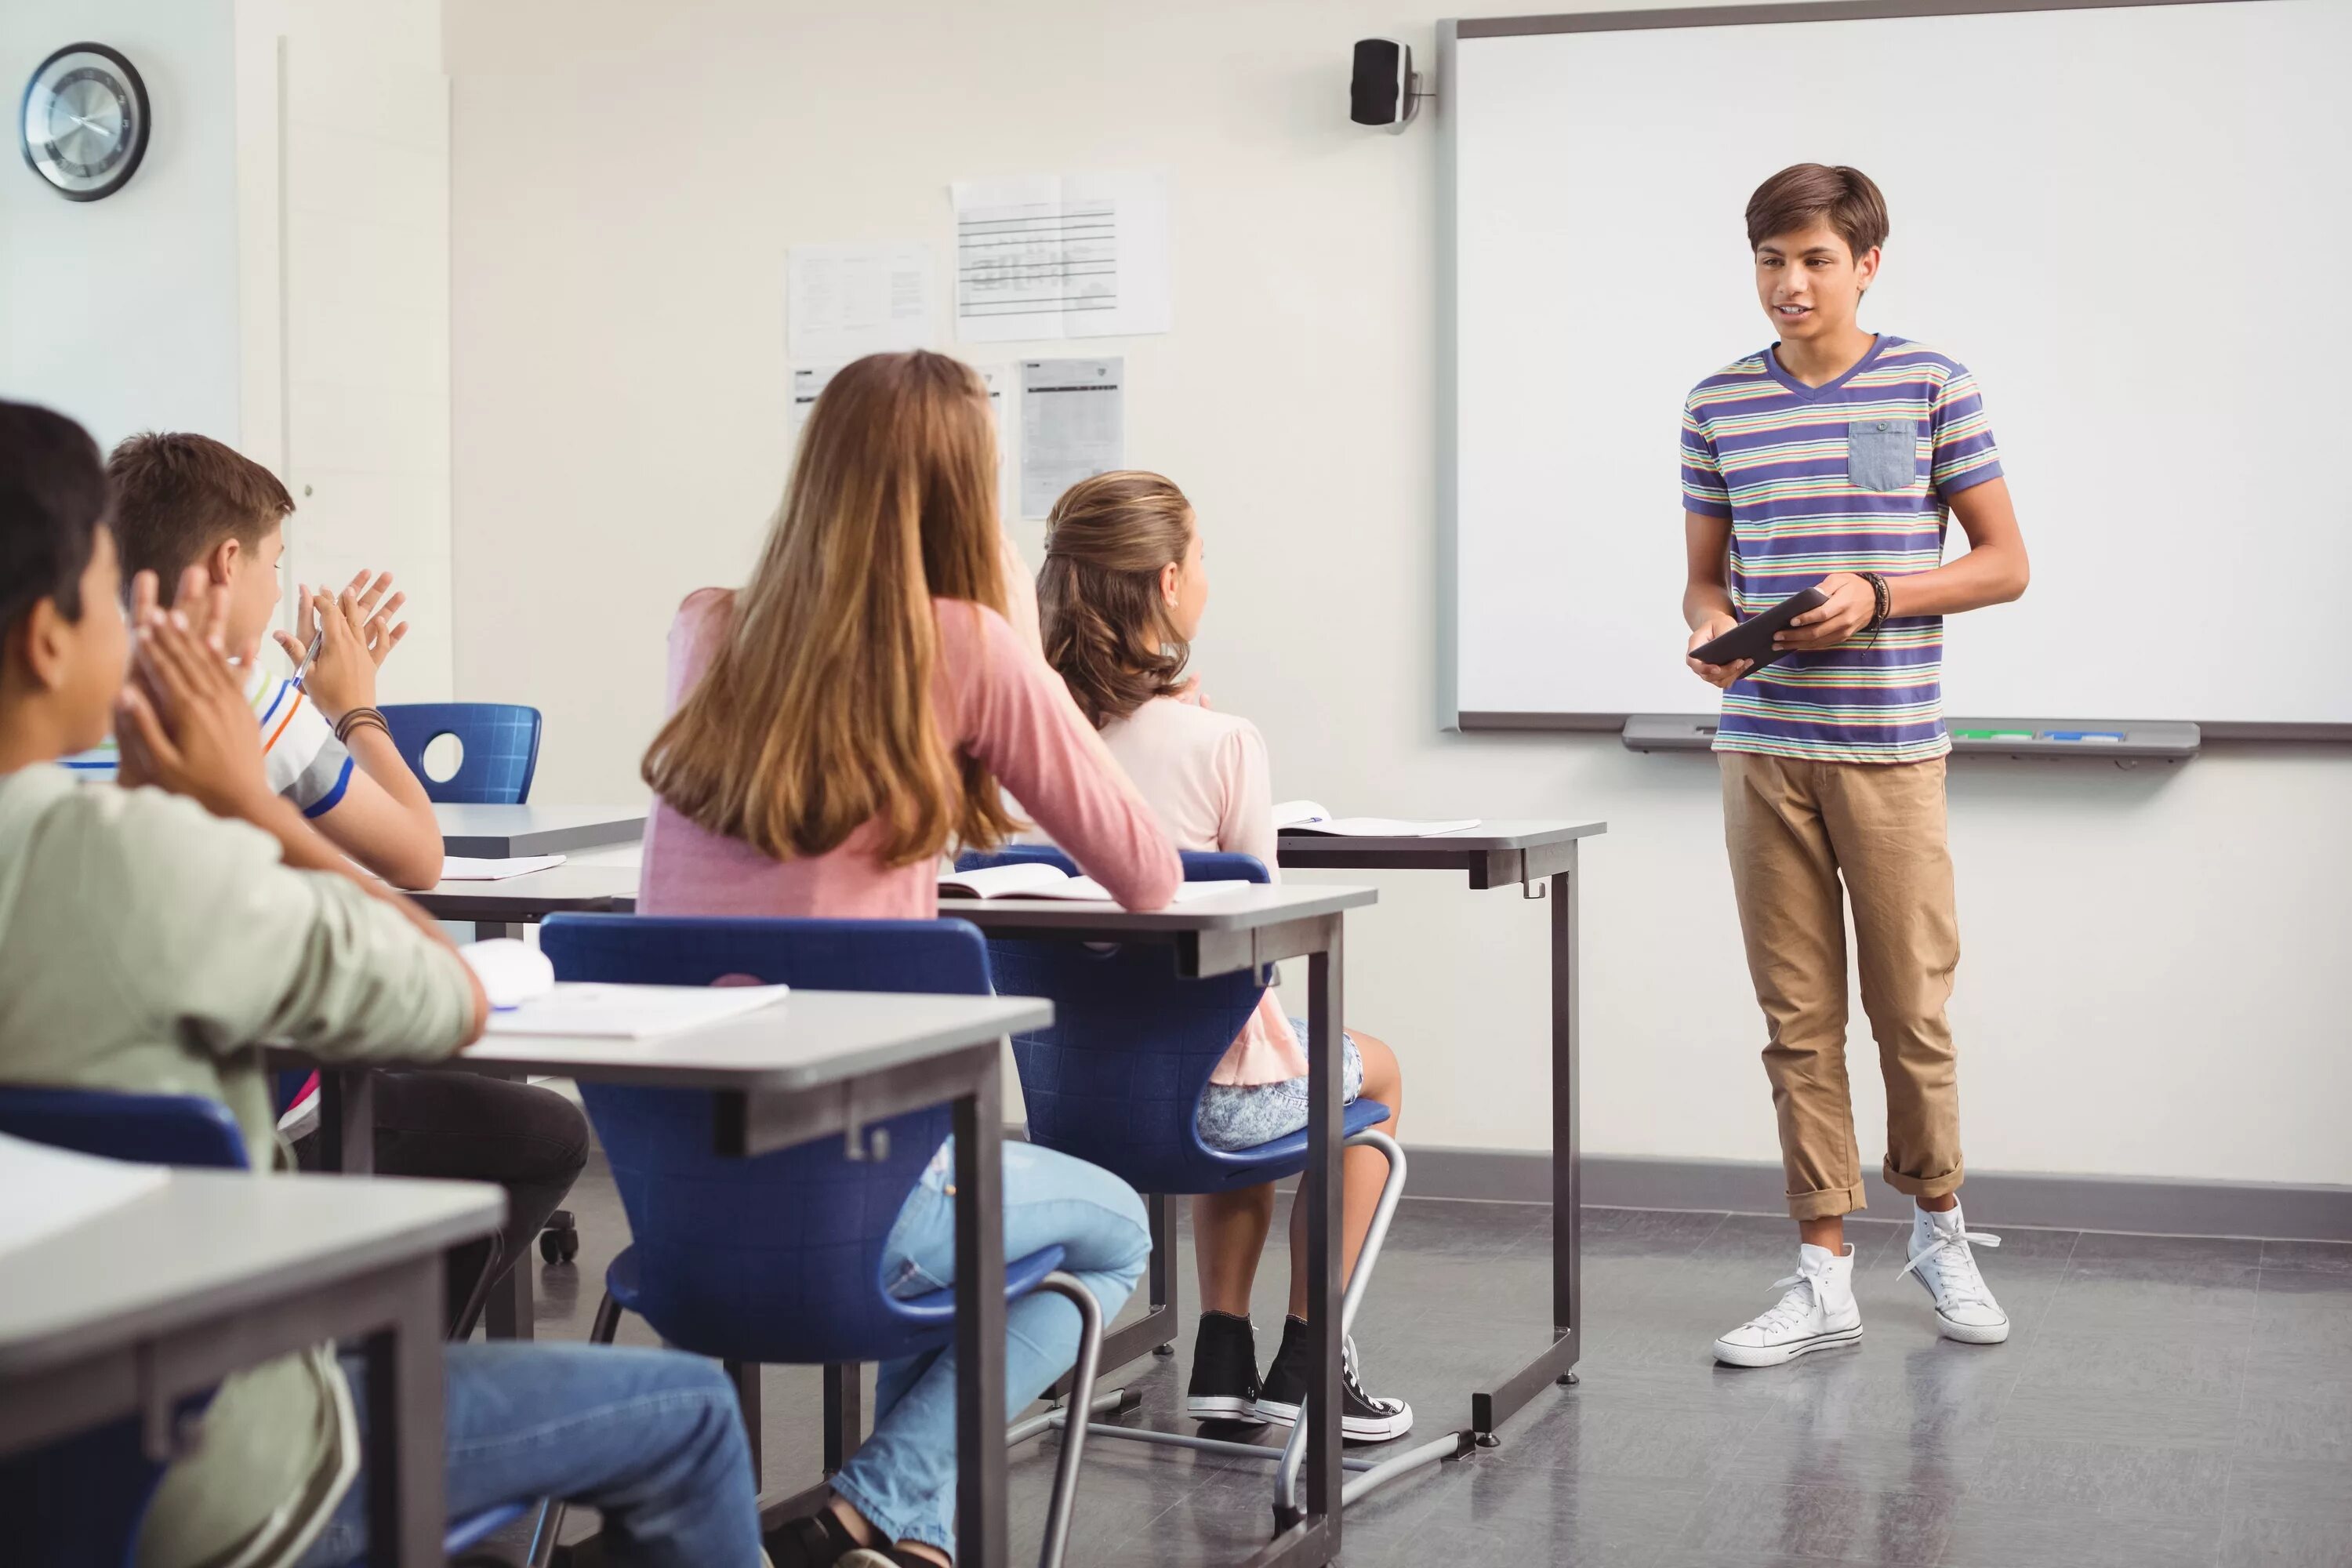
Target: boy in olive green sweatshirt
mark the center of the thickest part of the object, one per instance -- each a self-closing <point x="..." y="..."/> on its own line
<point x="151" y="936"/>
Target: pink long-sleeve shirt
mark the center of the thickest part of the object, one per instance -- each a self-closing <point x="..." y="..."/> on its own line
<point x="996" y="701"/>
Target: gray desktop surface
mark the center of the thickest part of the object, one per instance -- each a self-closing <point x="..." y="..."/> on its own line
<point x="506" y="832"/>
<point x="807" y="1040"/>
<point x="212" y="1243"/>
<point x="534" y="894"/>
<point x="1345" y="850"/>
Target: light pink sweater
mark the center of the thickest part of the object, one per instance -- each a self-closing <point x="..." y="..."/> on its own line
<point x="1205" y="775"/>
<point x="996" y="701"/>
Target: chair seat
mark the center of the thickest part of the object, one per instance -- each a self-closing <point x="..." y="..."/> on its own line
<point x="1289" y="1150"/>
<point x="933" y="1308"/>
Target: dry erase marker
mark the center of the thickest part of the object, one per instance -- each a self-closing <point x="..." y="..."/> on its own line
<point x="1992" y="735"/>
<point x="2082" y="735"/>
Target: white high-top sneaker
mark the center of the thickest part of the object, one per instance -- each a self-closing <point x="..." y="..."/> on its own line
<point x="1965" y="1310"/>
<point x="1818" y="1313"/>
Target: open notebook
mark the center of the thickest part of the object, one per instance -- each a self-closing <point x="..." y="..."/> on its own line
<point x="1037" y="880"/>
<point x="1306" y="816"/>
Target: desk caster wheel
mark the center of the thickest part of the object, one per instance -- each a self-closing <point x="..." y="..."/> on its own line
<point x="560" y="1242"/>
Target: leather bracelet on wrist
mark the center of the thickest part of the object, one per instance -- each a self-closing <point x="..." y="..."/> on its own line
<point x="1883" y="598"/>
<point x="356" y="718"/>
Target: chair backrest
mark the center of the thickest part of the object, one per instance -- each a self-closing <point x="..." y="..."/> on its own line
<point x="79" y="1503"/>
<point x="500" y="741"/>
<point x="776" y="1258"/>
<point x="159" y="1129"/>
<point x="1117" y="1079"/>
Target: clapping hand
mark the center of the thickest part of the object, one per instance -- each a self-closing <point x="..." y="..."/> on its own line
<point x="183" y="723"/>
<point x="355" y="632"/>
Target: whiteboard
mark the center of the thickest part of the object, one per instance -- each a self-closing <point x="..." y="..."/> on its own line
<point x="2132" y="223"/>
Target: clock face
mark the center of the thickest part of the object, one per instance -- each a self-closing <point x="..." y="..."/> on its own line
<point x="85" y="121"/>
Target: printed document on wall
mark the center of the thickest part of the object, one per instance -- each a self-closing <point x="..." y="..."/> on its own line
<point x="845" y="301"/>
<point x="1073" y="425"/>
<point x="806" y="384"/>
<point x="1067" y="256"/>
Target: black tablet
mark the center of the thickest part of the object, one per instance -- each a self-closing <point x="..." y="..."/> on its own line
<point x="1752" y="638"/>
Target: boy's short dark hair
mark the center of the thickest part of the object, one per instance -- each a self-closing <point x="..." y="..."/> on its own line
<point x="1805" y="194"/>
<point x="52" y="501"/>
<point x="177" y="496"/>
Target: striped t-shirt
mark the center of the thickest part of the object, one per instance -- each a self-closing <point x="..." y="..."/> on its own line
<point x="1853" y="475"/>
<point x="300" y="753"/>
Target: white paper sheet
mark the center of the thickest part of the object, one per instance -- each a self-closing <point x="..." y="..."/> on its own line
<point x="1073" y="425"/>
<point x="1062" y="256"/>
<point x="50" y="1191"/>
<point x="466" y="868"/>
<point x="1384" y="827"/>
<point x="845" y="301"/>
<point x="631" y="1012"/>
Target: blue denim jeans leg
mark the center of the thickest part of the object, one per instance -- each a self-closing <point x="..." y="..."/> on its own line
<point x="904" y="1479"/>
<point x="651" y="1438"/>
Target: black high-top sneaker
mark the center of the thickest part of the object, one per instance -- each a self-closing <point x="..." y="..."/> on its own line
<point x="1225" y="1370"/>
<point x="1362" y="1418"/>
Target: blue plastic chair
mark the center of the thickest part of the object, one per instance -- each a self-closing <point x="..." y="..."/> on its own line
<point x="1118" y="1078"/>
<point x="81" y="1502"/>
<point x="779" y="1258"/>
<point x="500" y="741"/>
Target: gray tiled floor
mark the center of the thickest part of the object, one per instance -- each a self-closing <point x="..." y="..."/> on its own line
<point x="2162" y="1401"/>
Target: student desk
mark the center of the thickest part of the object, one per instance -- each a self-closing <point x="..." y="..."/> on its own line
<point x="505" y="832"/>
<point x="817" y="1064"/>
<point x="1242" y="929"/>
<point x="504" y="906"/>
<point x="1498" y="855"/>
<point x="161" y="1298"/>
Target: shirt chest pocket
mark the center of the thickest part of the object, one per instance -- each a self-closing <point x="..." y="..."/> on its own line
<point x="1882" y="455"/>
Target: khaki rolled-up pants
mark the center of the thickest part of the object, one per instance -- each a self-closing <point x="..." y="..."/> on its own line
<point x="1802" y="836"/>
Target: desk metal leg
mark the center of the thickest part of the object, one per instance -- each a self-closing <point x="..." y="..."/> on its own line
<point x="347" y="1121"/>
<point x="1489" y="1409"/>
<point x="980" y="1537"/>
<point x="407" y="1512"/>
<point x="1314" y="1537"/>
<point x="844" y="1413"/>
<point x="510" y="1312"/>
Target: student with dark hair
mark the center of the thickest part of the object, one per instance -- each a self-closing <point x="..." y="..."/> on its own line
<point x="187" y="504"/>
<point x="119" y="971"/>
<point x="1835" y="458"/>
<point x="1125" y="584"/>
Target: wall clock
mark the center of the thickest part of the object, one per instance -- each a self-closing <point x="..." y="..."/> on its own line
<point x="84" y="122"/>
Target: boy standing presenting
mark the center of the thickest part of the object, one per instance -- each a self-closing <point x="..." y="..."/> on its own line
<point x="1833" y="459"/>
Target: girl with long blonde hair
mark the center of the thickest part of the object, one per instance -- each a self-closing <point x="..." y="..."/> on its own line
<point x="1125" y="584"/>
<point x="838" y="723"/>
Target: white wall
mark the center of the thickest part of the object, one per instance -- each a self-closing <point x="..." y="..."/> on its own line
<point x="2150" y="983"/>
<point x="123" y="312"/>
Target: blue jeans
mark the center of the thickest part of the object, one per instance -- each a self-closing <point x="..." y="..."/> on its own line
<point x="652" y="1439"/>
<point x="904" y="1479"/>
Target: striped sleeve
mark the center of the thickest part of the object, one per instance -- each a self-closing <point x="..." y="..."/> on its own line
<point x="299" y="753"/>
<point x="1965" y="455"/>
<point x="1703" y="489"/>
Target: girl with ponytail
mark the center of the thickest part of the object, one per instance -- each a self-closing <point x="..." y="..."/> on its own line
<point x="1121" y="598"/>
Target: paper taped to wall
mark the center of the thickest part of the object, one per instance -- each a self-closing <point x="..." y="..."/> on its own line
<point x="1073" y="425"/>
<point x="1070" y="256"/>
<point x="845" y="301"/>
